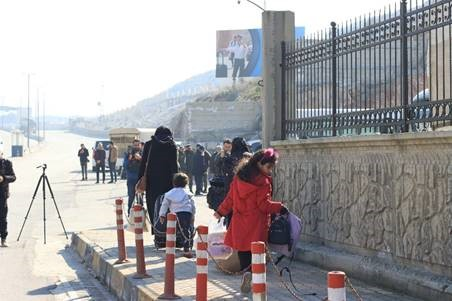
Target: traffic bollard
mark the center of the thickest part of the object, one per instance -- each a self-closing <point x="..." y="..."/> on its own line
<point x="336" y="286"/>
<point x="139" y="245"/>
<point x="201" y="264"/>
<point x="259" y="271"/>
<point x="169" y="294"/>
<point x="122" y="257"/>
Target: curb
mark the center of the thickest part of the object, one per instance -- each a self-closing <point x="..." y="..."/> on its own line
<point x="101" y="263"/>
<point x="378" y="271"/>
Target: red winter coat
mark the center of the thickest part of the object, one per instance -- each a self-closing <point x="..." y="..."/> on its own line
<point x="251" y="205"/>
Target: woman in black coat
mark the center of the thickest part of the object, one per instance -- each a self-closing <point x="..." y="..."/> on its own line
<point x="162" y="166"/>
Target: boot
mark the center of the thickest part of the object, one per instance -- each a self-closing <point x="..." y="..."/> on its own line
<point x="246" y="283"/>
<point x="3" y="243"/>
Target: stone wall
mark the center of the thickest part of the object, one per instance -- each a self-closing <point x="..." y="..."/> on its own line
<point x="388" y="195"/>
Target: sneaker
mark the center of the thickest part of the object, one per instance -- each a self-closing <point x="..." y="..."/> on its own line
<point x="3" y="243"/>
<point x="246" y="283"/>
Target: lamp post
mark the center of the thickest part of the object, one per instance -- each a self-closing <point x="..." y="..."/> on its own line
<point x="28" y="111"/>
<point x="255" y="4"/>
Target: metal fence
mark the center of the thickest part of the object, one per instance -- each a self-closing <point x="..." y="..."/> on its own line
<point x="389" y="71"/>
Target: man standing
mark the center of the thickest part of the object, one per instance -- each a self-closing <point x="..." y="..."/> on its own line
<point x="205" y="176"/>
<point x="189" y="155"/>
<point x="83" y="154"/>
<point x="100" y="156"/>
<point x="112" y="158"/>
<point x="240" y="51"/>
<point x="214" y="165"/>
<point x="181" y="159"/>
<point x="6" y="176"/>
<point x="132" y="165"/>
<point x="199" y="168"/>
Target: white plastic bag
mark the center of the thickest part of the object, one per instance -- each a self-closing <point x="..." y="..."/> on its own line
<point x="215" y="241"/>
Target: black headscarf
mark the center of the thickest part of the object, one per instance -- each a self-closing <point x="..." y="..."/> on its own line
<point x="163" y="133"/>
<point x="239" y="146"/>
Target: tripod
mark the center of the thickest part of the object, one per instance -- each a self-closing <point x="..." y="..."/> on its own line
<point x="45" y="182"/>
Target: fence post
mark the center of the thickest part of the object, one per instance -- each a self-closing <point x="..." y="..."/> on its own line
<point x="139" y="245"/>
<point x="122" y="257"/>
<point x="201" y="264"/>
<point x="283" y="91"/>
<point x="169" y="293"/>
<point x="259" y="271"/>
<point x="333" y="77"/>
<point x="404" y="64"/>
<point x="336" y="286"/>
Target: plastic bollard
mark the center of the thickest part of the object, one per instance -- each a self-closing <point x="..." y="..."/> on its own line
<point x="259" y="271"/>
<point x="201" y="264"/>
<point x="139" y="245"/>
<point x="336" y="286"/>
<point x="122" y="257"/>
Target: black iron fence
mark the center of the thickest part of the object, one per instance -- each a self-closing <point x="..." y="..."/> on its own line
<point x="389" y="71"/>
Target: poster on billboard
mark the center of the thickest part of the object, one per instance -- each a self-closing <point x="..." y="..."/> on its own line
<point x="239" y="52"/>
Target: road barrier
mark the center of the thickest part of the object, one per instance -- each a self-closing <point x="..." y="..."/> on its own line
<point x="201" y="264"/>
<point x="169" y="294"/>
<point x="258" y="253"/>
<point x="336" y="286"/>
<point x="122" y="257"/>
<point x="139" y="245"/>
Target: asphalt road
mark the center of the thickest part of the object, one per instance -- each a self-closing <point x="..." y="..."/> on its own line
<point x="31" y="270"/>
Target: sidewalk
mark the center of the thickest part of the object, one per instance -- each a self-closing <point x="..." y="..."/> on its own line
<point x="98" y="250"/>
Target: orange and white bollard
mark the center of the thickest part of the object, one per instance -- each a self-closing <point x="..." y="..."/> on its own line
<point x="120" y="233"/>
<point x="336" y="286"/>
<point x="169" y="294"/>
<point x="201" y="264"/>
<point x="259" y="271"/>
<point x="139" y="245"/>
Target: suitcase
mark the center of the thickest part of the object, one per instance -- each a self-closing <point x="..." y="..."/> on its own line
<point x="222" y="68"/>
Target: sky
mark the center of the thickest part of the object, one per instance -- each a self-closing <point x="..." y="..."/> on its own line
<point x="80" y="53"/>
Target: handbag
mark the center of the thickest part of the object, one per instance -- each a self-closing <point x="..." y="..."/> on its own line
<point x="141" y="184"/>
<point x="131" y="218"/>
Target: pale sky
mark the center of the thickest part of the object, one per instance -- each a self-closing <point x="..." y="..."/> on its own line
<point x="119" y="52"/>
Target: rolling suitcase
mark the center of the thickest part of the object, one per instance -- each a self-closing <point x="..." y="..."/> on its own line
<point x="222" y="68"/>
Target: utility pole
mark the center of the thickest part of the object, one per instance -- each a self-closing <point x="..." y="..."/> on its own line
<point x="28" y="113"/>
<point x="37" y="113"/>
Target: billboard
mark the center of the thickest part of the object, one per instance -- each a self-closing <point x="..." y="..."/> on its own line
<point x="239" y="52"/>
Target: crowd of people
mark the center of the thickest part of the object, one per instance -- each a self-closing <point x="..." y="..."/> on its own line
<point x="166" y="169"/>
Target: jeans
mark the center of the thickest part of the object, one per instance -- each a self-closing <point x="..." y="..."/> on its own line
<point x="132" y="180"/>
<point x="84" y="171"/>
<point x="190" y="180"/>
<point x="199" y="183"/>
<point x="204" y="182"/>
<point x="98" y="168"/>
<point x="185" y="224"/>
<point x="113" y="175"/>
<point x="3" y="223"/>
<point x="239" y="65"/>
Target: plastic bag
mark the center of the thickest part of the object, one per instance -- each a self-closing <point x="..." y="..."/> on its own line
<point x="215" y="241"/>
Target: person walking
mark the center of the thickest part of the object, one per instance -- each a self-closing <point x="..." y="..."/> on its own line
<point x="189" y="155"/>
<point x="132" y="164"/>
<point x="100" y="156"/>
<point x="178" y="201"/>
<point x="199" y="168"/>
<point x="250" y="201"/>
<point x="83" y="155"/>
<point x="160" y="155"/>
<point x="6" y="176"/>
<point x="112" y="158"/>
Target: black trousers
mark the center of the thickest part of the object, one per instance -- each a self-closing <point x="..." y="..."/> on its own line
<point x="245" y="259"/>
<point x="3" y="222"/>
<point x="185" y="224"/>
<point x="100" y="167"/>
<point x="113" y="175"/>
<point x="199" y="183"/>
<point x="84" y="170"/>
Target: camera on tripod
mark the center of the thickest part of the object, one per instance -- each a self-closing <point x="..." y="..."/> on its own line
<point x="43" y="166"/>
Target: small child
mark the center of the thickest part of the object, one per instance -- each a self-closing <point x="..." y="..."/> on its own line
<point x="179" y="201"/>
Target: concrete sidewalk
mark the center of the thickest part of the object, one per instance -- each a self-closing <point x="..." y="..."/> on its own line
<point x="98" y="250"/>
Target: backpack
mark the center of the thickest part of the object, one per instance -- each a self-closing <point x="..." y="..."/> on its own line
<point x="279" y="232"/>
<point x="216" y="193"/>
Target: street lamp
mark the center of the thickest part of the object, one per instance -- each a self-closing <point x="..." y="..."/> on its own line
<point x="255" y="4"/>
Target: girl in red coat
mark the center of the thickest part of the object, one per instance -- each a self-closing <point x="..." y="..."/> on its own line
<point x="250" y="201"/>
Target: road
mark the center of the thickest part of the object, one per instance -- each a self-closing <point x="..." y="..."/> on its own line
<point x="32" y="270"/>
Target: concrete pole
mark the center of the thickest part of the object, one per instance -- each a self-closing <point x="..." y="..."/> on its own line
<point x="277" y="26"/>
